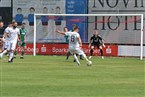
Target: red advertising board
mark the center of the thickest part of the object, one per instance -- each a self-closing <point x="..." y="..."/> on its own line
<point x="61" y="49"/>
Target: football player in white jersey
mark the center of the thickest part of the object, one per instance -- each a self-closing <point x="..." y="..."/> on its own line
<point x="75" y="44"/>
<point x="13" y="36"/>
<point x="5" y="39"/>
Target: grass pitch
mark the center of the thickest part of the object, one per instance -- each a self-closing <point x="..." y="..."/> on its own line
<point x="53" y="76"/>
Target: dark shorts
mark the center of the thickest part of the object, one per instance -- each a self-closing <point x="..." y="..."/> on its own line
<point x="23" y="44"/>
<point x="96" y="45"/>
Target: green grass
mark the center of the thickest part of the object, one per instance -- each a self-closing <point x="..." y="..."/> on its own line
<point x="52" y="76"/>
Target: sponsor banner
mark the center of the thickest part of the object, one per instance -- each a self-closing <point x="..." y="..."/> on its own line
<point x="120" y="29"/>
<point x="23" y="11"/>
<point x="62" y="49"/>
<point x="77" y="7"/>
<point x="116" y="6"/>
<point x="29" y="49"/>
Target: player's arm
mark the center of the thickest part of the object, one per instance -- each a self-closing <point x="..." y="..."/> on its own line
<point x="2" y="39"/>
<point x="80" y="41"/>
<point x="25" y="39"/>
<point x="4" y="36"/>
<point x="6" y="33"/>
<point x="102" y="41"/>
<point x="19" y="36"/>
<point x="60" y="32"/>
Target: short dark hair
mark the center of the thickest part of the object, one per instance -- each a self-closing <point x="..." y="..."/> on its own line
<point x="23" y="23"/>
<point x="75" y="27"/>
<point x="32" y="8"/>
<point x="19" y="9"/>
<point x="45" y="8"/>
<point x="64" y="28"/>
<point x="57" y="7"/>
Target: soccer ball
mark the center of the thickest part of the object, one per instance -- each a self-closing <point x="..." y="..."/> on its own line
<point x="89" y="63"/>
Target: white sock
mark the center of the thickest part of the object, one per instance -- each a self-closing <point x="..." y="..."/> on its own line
<point x="84" y="55"/>
<point x="11" y="56"/>
<point x="76" y="58"/>
<point x="5" y="51"/>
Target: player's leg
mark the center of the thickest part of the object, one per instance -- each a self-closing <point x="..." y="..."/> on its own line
<point x="3" y="53"/>
<point x="12" y="49"/>
<point x="76" y="59"/>
<point x="5" y="50"/>
<point x="85" y="57"/>
<point x="73" y="52"/>
<point x="80" y="52"/>
<point x="101" y="51"/>
<point x="11" y="56"/>
<point x="91" y="51"/>
<point x="81" y="57"/>
<point x="77" y="56"/>
<point x="67" y="55"/>
<point x="16" y="52"/>
<point x="23" y="50"/>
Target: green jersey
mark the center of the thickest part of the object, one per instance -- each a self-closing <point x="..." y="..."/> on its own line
<point x="66" y="38"/>
<point x="23" y="32"/>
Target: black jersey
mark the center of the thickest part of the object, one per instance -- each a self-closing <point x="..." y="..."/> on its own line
<point x="96" y="39"/>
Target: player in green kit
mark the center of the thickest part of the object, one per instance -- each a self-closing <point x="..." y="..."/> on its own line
<point x="67" y="41"/>
<point x="22" y="42"/>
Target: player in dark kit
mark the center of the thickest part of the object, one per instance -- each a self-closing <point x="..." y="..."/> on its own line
<point x="96" y="41"/>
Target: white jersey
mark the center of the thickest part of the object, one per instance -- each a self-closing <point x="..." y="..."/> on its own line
<point x="7" y="30"/>
<point x="73" y="39"/>
<point x="13" y="34"/>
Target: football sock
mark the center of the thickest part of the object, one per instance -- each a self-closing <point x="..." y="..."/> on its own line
<point x="11" y="56"/>
<point x="76" y="59"/>
<point x="15" y="53"/>
<point x="68" y="54"/>
<point x="91" y="52"/>
<point x="5" y="51"/>
<point x="81" y="57"/>
<point x="84" y="55"/>
<point x="23" y="52"/>
<point x="101" y="51"/>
